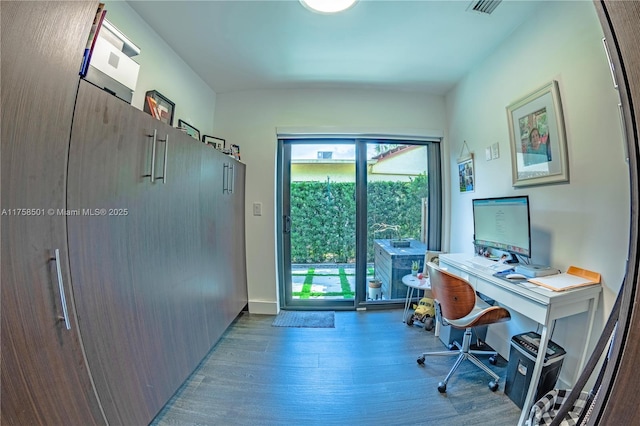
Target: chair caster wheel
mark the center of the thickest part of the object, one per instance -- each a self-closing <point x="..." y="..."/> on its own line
<point x="493" y="360"/>
<point x="452" y="346"/>
<point x="493" y="386"/>
<point x="442" y="387"/>
<point x="420" y="360"/>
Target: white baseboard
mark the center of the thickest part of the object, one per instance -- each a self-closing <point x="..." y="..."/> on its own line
<point x="263" y="307"/>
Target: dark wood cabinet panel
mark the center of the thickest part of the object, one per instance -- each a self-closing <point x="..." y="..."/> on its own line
<point x="239" y="298"/>
<point x="44" y="376"/>
<point x="142" y="246"/>
<point x="153" y="270"/>
<point x="115" y="252"/>
<point x="224" y="285"/>
<point x="620" y="388"/>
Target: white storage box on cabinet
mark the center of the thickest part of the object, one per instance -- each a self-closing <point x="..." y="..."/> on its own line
<point x="111" y="66"/>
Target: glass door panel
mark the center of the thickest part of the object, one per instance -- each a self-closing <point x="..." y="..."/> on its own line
<point x="319" y="195"/>
<point x="397" y="216"/>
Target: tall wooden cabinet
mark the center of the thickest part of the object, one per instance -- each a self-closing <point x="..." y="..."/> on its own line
<point x="112" y="298"/>
<point x="141" y="261"/>
<point x="223" y="238"/>
<point x="44" y="377"/>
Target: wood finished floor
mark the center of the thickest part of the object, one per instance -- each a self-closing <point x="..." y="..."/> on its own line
<point x="362" y="372"/>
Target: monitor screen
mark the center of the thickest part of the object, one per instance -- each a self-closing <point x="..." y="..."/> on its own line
<point x="503" y="223"/>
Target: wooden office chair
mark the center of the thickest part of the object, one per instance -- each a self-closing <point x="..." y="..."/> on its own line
<point x="462" y="309"/>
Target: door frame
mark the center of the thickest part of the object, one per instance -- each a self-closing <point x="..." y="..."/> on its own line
<point x="430" y="138"/>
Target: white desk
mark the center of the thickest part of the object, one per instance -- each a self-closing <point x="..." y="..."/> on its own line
<point x="541" y="305"/>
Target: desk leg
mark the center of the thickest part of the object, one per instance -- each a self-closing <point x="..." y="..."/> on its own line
<point x="593" y="305"/>
<point x="535" y="377"/>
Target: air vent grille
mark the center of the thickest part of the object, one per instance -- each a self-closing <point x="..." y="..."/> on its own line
<point x="484" y="6"/>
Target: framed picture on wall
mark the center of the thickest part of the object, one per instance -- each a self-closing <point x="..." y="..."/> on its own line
<point x="466" y="173"/>
<point x="537" y="138"/>
<point x="189" y="129"/>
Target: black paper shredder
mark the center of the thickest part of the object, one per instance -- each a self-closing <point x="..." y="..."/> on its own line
<point x="522" y="359"/>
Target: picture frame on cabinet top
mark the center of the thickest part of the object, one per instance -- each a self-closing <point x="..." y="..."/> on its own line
<point x="217" y="143"/>
<point x="189" y="129"/>
<point x="159" y="107"/>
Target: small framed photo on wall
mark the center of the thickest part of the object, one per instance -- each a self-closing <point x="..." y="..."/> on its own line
<point x="466" y="174"/>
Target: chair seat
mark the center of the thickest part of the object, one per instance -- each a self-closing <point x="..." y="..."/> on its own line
<point x="461" y="308"/>
<point x="481" y="314"/>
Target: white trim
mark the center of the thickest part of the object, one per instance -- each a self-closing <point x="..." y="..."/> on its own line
<point x="263" y="307"/>
<point x="359" y="132"/>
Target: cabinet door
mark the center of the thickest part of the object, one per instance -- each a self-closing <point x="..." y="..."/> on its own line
<point x="620" y="388"/>
<point x="185" y="335"/>
<point x="213" y="228"/>
<point x="231" y="242"/>
<point x="224" y="285"/>
<point x="44" y="376"/>
<point x="136" y="263"/>
<point x="116" y="253"/>
<point x="239" y="296"/>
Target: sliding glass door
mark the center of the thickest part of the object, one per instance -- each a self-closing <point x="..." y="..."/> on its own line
<point x="353" y="211"/>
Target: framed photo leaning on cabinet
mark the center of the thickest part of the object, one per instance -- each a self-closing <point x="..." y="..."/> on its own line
<point x="159" y="107"/>
<point x="189" y="129"/>
<point x="217" y="143"/>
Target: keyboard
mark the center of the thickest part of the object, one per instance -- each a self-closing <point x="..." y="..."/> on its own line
<point x="492" y="265"/>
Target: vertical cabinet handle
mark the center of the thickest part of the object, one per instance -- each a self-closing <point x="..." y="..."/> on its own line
<point x="63" y="299"/>
<point x="228" y="178"/>
<point x="225" y="176"/>
<point x="611" y="67"/>
<point x="151" y="175"/>
<point x="623" y="124"/>
<point x="166" y="151"/>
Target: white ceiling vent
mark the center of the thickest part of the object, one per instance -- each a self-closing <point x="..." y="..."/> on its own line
<point x="484" y="6"/>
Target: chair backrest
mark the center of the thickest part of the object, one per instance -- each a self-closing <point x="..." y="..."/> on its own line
<point x="456" y="296"/>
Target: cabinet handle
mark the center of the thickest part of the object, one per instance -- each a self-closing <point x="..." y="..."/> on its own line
<point x="164" y="167"/>
<point x="225" y="177"/>
<point x="63" y="299"/>
<point x="611" y="67"/>
<point x="623" y="124"/>
<point x="151" y="176"/>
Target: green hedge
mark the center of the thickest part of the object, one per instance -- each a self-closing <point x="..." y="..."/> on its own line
<point x="323" y="217"/>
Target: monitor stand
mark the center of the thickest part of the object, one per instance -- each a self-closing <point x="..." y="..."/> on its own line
<point x="510" y="258"/>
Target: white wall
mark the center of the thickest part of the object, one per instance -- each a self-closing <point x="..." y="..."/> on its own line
<point x="163" y="70"/>
<point x="583" y="223"/>
<point x="249" y="119"/>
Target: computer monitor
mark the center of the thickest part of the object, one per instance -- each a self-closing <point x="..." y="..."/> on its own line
<point x="503" y="224"/>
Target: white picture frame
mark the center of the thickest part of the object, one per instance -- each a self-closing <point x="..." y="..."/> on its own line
<point x="537" y="138"/>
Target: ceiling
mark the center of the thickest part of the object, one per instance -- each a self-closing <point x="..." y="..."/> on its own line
<point x="420" y="45"/>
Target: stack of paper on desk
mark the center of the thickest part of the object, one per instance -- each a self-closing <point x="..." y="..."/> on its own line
<point x="574" y="277"/>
